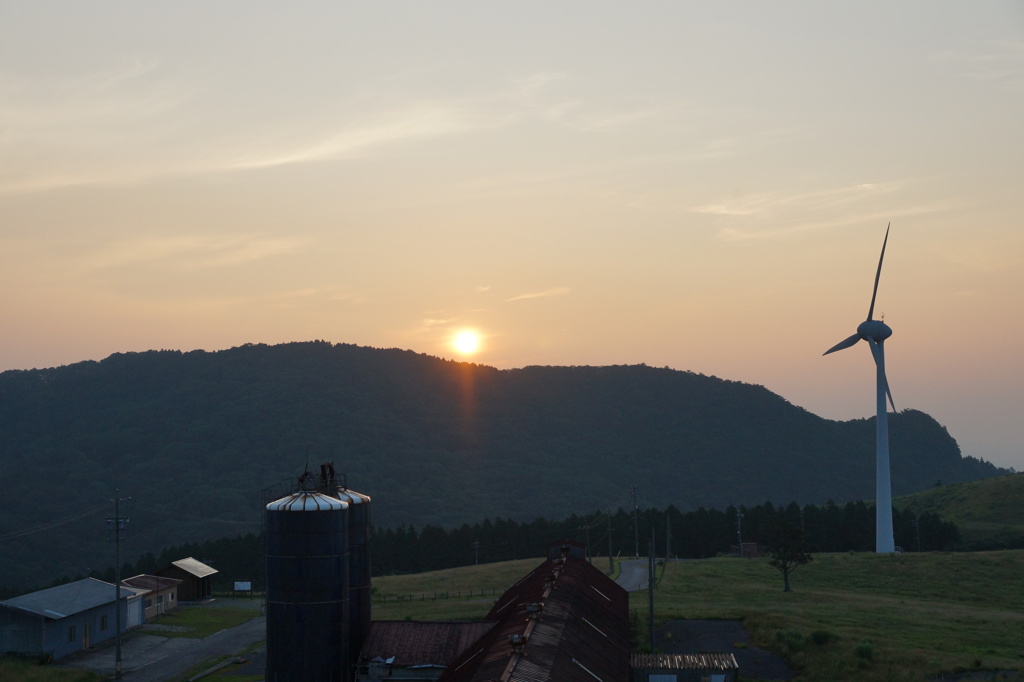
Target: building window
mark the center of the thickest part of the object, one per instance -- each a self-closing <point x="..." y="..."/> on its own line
<point x="160" y="599"/>
<point x="71" y="633"/>
<point x="103" y="622"/>
<point x="149" y="603"/>
<point x="172" y="596"/>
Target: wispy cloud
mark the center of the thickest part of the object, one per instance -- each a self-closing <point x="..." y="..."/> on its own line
<point x="190" y="252"/>
<point x="1002" y="63"/>
<point x="132" y="124"/>
<point x="312" y="296"/>
<point x="98" y="128"/>
<point x="556" y="291"/>
<point x="417" y="120"/>
<point x="769" y="215"/>
<point x="421" y="120"/>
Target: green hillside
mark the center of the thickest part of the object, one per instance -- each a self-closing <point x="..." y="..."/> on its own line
<point x="194" y="437"/>
<point x="987" y="512"/>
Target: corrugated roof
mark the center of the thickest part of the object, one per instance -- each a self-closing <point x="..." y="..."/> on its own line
<point x="420" y="643"/>
<point x="707" y="661"/>
<point x="66" y="600"/>
<point x="151" y="582"/>
<point x="582" y="633"/>
<point x="194" y="567"/>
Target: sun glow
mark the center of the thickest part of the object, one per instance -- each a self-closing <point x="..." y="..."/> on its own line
<point x="467" y="341"/>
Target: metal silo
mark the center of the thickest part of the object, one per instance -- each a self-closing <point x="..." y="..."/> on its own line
<point x="307" y="589"/>
<point x="359" y="565"/>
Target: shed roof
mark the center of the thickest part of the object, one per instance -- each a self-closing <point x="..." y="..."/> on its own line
<point x="708" y="661"/>
<point x="582" y="632"/>
<point x="194" y="567"/>
<point x="153" y="583"/>
<point x="67" y="600"/>
<point x="421" y="643"/>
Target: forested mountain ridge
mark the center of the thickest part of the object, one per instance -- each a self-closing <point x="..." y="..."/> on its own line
<point x="194" y="437"/>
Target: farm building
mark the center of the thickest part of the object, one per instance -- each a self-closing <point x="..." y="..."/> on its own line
<point x="564" y="621"/>
<point x="196" y="579"/>
<point x="59" y="621"/>
<point x="159" y="594"/>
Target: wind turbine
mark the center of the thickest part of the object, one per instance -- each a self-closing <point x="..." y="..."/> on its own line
<point x="875" y="332"/>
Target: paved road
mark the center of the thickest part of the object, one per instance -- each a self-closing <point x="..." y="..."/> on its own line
<point x="633" y="575"/>
<point x="152" y="658"/>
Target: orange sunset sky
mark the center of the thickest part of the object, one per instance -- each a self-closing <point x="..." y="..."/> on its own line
<point x="699" y="186"/>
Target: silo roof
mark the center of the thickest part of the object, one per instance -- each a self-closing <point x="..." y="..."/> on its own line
<point x="307" y="501"/>
<point x="352" y="497"/>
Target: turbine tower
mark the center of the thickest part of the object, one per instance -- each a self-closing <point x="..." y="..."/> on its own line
<point x="875" y="332"/>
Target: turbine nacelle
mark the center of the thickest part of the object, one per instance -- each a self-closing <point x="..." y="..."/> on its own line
<point x="874" y="330"/>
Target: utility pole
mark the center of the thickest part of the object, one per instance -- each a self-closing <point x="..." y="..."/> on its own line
<point x="117" y="524"/>
<point x="611" y="559"/>
<point x="650" y="585"/>
<point x="739" y="530"/>
<point x="476" y="550"/>
<point x="668" y="536"/>
<point x="636" y="527"/>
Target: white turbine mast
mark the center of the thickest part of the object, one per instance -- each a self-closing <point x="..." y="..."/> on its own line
<point x="875" y="332"/>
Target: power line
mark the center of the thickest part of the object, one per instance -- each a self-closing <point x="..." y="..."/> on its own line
<point x="52" y="524"/>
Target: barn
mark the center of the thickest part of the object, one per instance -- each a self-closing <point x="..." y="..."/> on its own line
<point x="56" y="622"/>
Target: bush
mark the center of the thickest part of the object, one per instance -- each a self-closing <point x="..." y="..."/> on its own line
<point x="865" y="651"/>
<point x="793" y="640"/>
<point x="822" y="637"/>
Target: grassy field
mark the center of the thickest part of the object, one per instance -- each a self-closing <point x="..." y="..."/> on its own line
<point x="202" y="621"/>
<point x="850" y="616"/>
<point x="877" y="617"/>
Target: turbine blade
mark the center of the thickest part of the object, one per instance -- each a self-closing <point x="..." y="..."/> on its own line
<point x="878" y="273"/>
<point x="879" y="354"/>
<point x="845" y="343"/>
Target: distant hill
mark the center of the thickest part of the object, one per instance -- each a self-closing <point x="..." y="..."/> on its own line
<point x="989" y="513"/>
<point x="194" y="437"/>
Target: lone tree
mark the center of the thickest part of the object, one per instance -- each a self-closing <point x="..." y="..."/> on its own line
<point x="788" y="550"/>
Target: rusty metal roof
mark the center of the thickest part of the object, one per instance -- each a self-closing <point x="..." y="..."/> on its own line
<point x="419" y="642"/>
<point x="707" y="661"/>
<point x="582" y="632"/>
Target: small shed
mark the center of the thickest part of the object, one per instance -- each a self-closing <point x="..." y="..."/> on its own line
<point x="710" y="667"/>
<point x="159" y="594"/>
<point x="196" y="579"/>
<point x="59" y="621"/>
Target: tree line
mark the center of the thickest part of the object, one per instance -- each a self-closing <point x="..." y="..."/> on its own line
<point x="687" y="535"/>
<point x="691" y="535"/>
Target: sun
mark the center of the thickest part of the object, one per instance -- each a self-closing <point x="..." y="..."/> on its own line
<point x="467" y="341"/>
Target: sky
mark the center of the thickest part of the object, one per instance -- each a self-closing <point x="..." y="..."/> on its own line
<point x="699" y="186"/>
